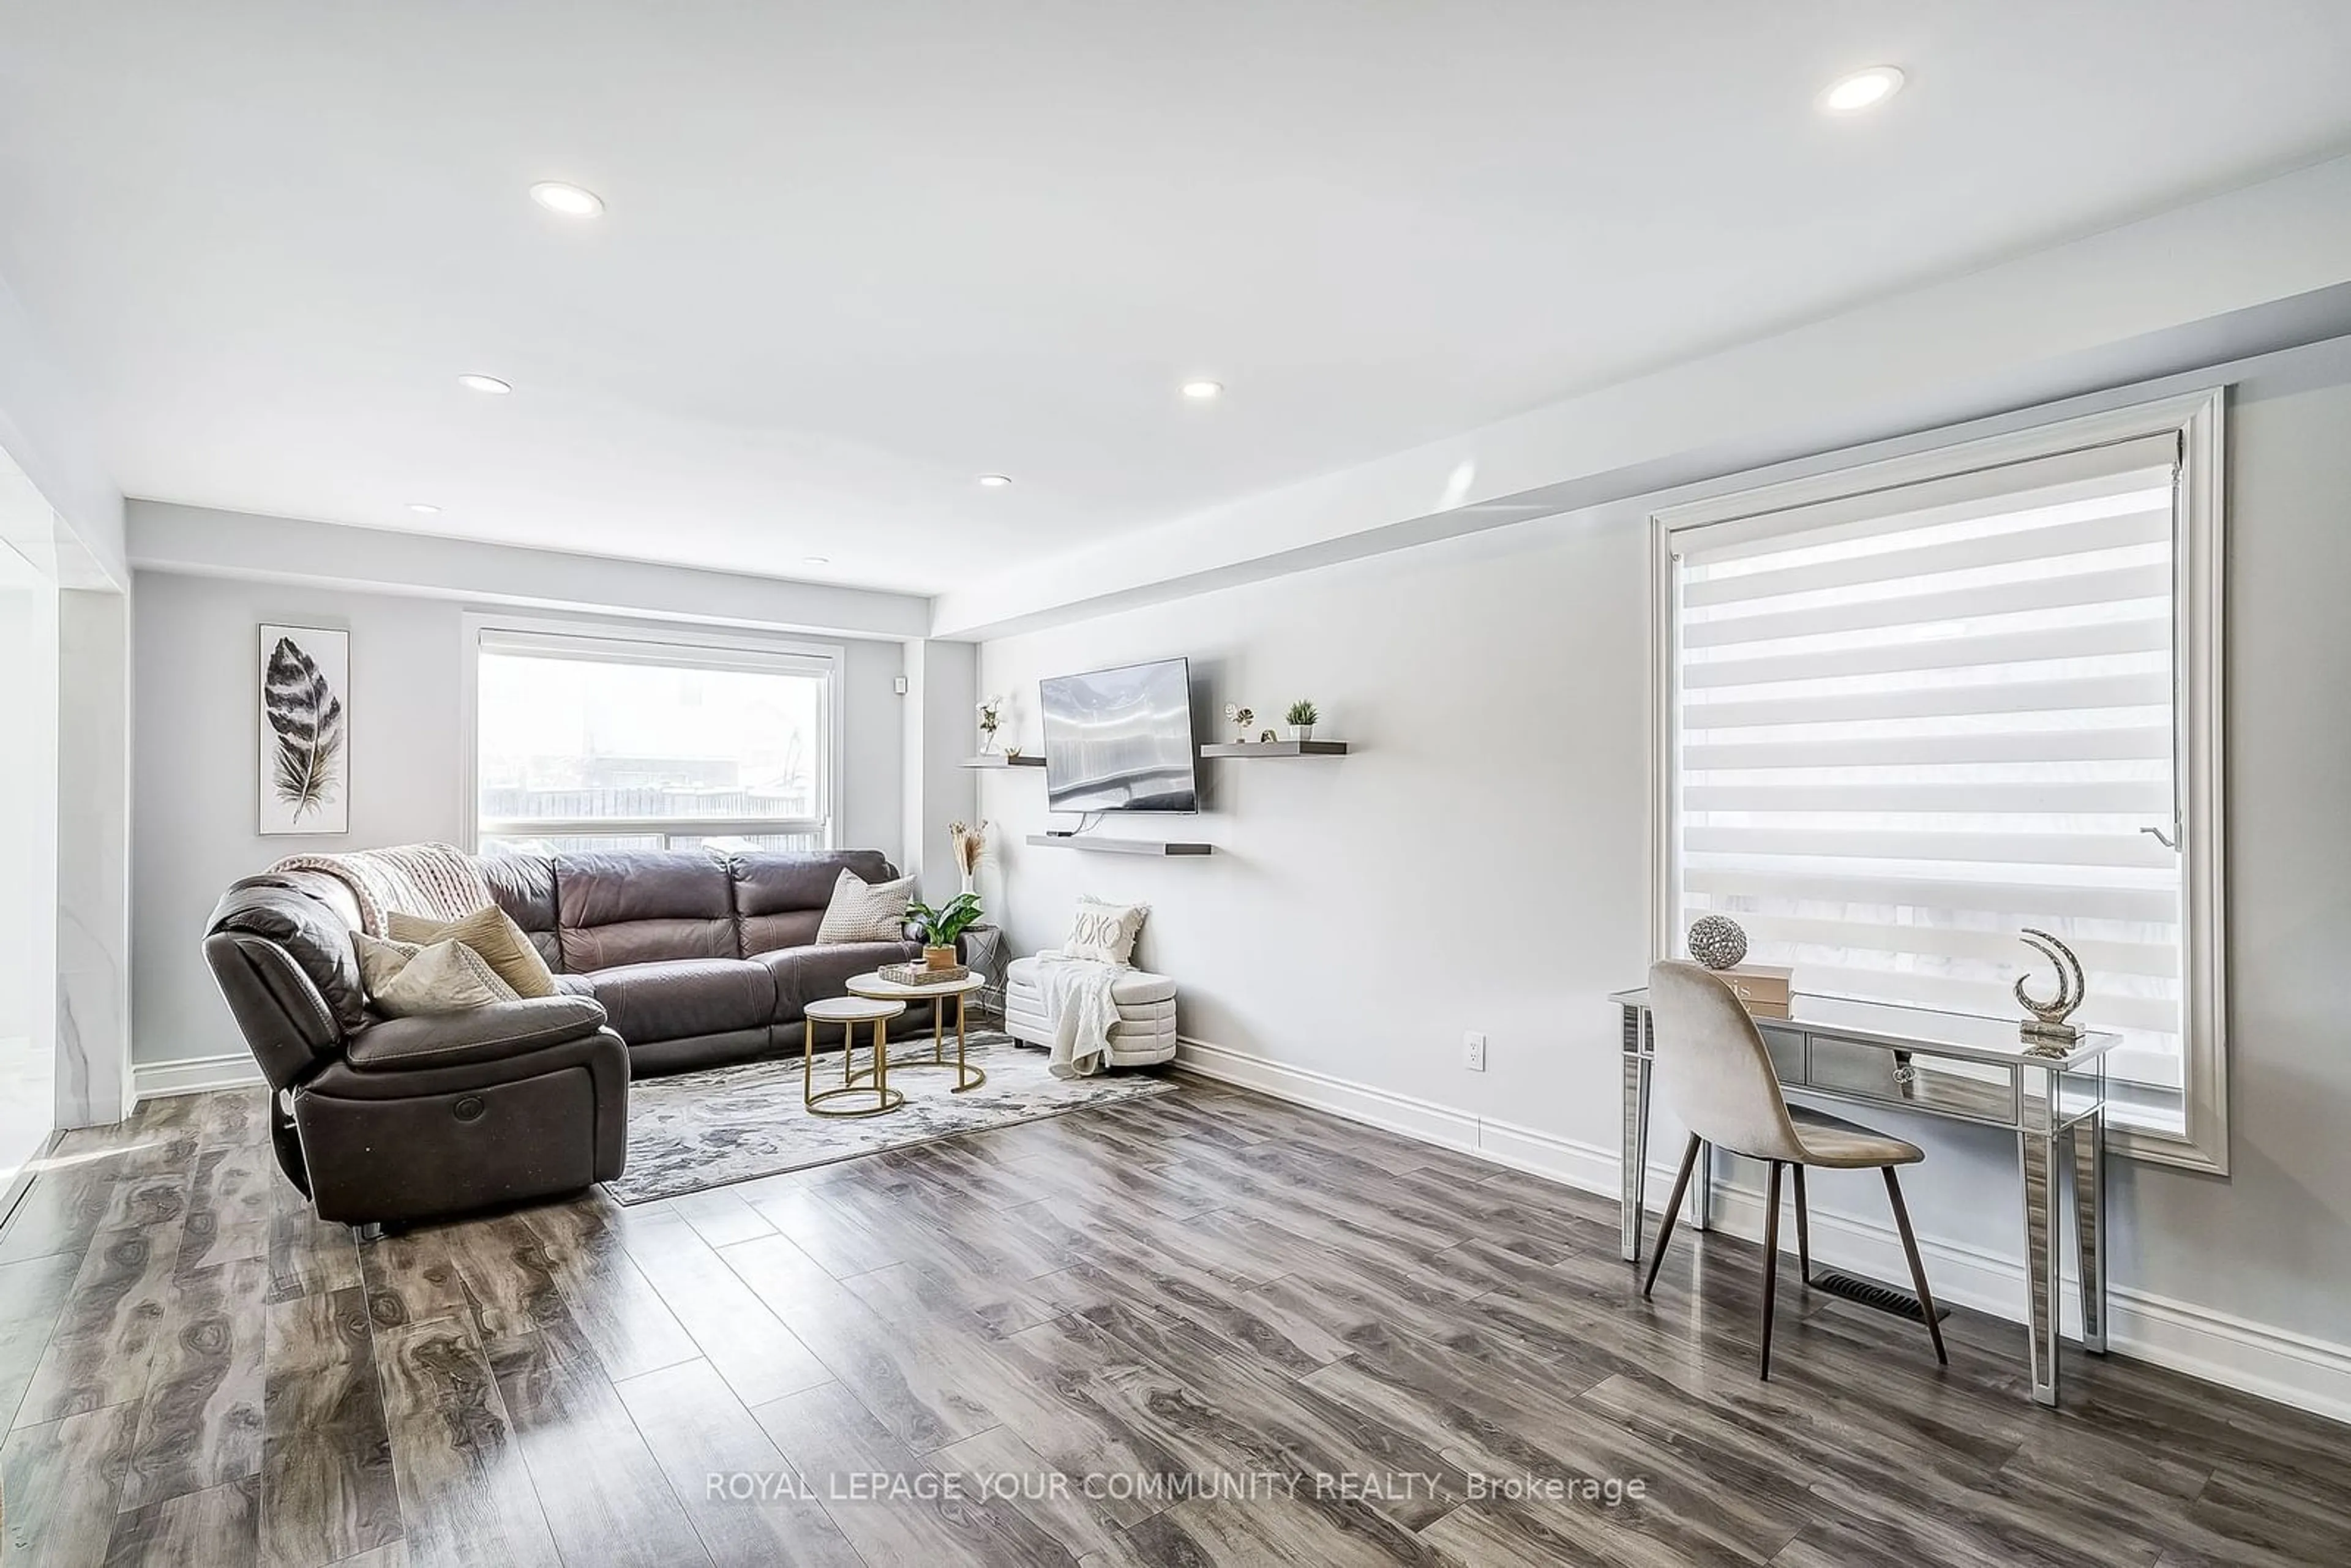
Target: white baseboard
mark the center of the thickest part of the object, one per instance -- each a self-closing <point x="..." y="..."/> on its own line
<point x="194" y="1075"/>
<point x="1415" y="1118"/>
<point x="2277" y="1364"/>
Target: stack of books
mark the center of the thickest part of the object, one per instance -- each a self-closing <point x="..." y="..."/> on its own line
<point x="1764" y="987"/>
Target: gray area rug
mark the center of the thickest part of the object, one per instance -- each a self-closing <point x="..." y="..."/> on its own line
<point x="696" y="1130"/>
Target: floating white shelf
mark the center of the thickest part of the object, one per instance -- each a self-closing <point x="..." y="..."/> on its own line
<point x="1001" y="761"/>
<point x="1115" y="846"/>
<point x="1278" y="749"/>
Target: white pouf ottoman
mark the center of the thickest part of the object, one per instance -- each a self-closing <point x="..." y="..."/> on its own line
<point x="1145" y="1031"/>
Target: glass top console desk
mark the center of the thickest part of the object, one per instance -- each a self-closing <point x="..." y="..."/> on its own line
<point x="1953" y="1065"/>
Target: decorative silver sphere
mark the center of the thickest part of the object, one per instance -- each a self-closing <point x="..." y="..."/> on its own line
<point x="1717" y="942"/>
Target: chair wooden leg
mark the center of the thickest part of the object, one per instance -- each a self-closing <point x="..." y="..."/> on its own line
<point x="1803" y="1231"/>
<point x="1770" y="1262"/>
<point x="1673" y="1209"/>
<point x="1918" y="1269"/>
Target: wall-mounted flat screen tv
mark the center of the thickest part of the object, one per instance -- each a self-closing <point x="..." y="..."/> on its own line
<point x="1121" y="740"/>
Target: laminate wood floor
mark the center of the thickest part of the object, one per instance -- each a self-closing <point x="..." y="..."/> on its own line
<point x="1239" y="1333"/>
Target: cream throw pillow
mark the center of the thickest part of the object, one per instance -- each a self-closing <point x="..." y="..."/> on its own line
<point x="404" y="979"/>
<point x="1105" y="932"/>
<point x="490" y="932"/>
<point x="863" y="911"/>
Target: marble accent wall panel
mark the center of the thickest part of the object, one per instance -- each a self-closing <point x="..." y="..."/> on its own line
<point x="93" y="1082"/>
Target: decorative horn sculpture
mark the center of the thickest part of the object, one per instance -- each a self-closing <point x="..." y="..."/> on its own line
<point x="2048" y="1028"/>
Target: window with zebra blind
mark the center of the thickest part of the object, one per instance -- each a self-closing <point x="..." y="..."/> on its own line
<point x="1912" y="709"/>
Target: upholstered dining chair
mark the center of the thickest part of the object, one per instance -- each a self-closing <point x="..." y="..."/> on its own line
<point x="1712" y="1068"/>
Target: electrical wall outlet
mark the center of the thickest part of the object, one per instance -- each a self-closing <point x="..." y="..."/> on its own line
<point x="1473" y="1051"/>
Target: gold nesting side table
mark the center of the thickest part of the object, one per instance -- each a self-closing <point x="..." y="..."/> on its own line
<point x="873" y="985"/>
<point x="870" y="1087"/>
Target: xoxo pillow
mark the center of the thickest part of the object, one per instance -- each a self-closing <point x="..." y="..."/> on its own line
<point x="1105" y="932"/>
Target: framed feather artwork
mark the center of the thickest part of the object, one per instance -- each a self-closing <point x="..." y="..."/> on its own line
<point x="306" y="730"/>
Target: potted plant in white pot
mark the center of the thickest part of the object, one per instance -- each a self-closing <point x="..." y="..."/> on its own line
<point x="1302" y="719"/>
<point x="939" y="929"/>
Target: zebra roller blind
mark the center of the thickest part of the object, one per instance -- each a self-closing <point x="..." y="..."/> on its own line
<point x="1910" y="722"/>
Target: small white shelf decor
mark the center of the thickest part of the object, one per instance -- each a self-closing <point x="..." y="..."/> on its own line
<point x="1116" y="846"/>
<point x="1278" y="749"/>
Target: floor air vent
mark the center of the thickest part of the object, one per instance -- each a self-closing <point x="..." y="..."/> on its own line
<point x="1870" y="1293"/>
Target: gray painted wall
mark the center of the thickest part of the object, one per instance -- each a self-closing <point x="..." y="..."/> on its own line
<point x="2273" y="1242"/>
<point x="194" y="812"/>
<point x="1479" y="863"/>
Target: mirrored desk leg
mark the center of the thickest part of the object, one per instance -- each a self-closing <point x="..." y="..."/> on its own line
<point x="2037" y="1152"/>
<point x="1701" y="1203"/>
<point x="1636" y="1161"/>
<point x="2089" y="1151"/>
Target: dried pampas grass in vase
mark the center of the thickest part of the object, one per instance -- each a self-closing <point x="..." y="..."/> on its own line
<point x="971" y="845"/>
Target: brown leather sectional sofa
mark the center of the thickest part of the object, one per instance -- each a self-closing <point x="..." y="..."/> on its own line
<point x="698" y="959"/>
<point x="665" y="961"/>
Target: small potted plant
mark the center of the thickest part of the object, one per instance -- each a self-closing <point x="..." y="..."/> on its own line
<point x="939" y="929"/>
<point x="1302" y="718"/>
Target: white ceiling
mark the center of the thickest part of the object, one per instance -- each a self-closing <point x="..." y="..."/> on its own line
<point x="858" y="253"/>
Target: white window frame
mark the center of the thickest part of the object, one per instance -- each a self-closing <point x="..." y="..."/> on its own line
<point x="2198" y="421"/>
<point x="617" y="639"/>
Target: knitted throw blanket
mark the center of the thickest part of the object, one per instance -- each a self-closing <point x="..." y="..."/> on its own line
<point x="1078" y="1002"/>
<point x="437" y="881"/>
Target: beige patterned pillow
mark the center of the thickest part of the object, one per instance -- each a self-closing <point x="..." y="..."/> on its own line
<point x="404" y="979"/>
<point x="1105" y="932"/>
<point x="863" y="911"/>
<point x="490" y="932"/>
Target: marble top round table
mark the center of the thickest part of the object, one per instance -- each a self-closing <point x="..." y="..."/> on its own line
<point x="869" y="1091"/>
<point x="967" y="1076"/>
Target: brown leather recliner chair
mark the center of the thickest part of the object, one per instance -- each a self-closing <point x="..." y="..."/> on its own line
<point x="384" y="1121"/>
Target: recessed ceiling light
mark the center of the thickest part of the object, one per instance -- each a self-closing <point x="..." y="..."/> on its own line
<point x="490" y="384"/>
<point x="1862" y="89"/>
<point x="1203" y="391"/>
<point x="995" y="481"/>
<point x="423" y="509"/>
<point x="572" y="201"/>
<point x="815" y="560"/>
